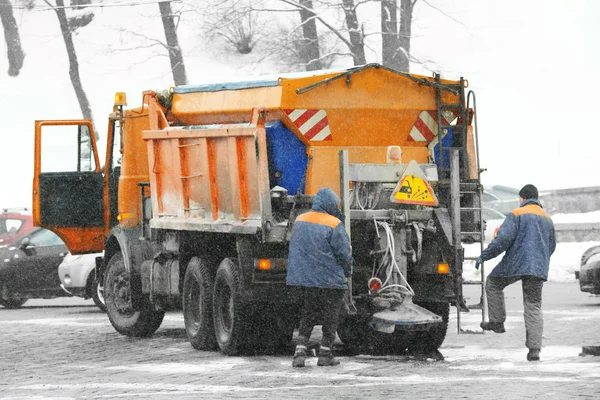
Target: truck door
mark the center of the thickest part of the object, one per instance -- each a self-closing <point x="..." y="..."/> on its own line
<point x="68" y="196"/>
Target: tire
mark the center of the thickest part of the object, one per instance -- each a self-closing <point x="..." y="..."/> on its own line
<point x="229" y="313"/>
<point x="13" y="302"/>
<point x="117" y="291"/>
<point x="353" y="332"/>
<point x="198" y="305"/>
<point x="269" y="329"/>
<point x="96" y="291"/>
<point x="432" y="340"/>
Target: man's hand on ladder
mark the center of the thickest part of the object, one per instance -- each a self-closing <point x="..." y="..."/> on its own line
<point x="478" y="262"/>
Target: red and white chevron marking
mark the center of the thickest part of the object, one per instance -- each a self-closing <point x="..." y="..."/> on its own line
<point x="426" y="127"/>
<point x="313" y="124"/>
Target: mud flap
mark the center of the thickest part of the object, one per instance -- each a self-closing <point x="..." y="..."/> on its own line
<point x="405" y="314"/>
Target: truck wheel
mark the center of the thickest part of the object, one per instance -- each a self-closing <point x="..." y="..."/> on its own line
<point x="198" y="305"/>
<point x="353" y="332"/>
<point x="122" y="316"/>
<point x="96" y="291"/>
<point x="432" y="340"/>
<point x="229" y="315"/>
<point x="270" y="329"/>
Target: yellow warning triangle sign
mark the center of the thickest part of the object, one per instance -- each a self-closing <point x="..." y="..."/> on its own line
<point x="413" y="188"/>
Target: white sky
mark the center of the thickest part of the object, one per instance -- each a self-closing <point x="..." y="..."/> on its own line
<point x="532" y="64"/>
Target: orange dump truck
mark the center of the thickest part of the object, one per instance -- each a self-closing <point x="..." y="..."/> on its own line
<point x="196" y="198"/>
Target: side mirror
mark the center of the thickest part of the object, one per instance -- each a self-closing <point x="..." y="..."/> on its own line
<point x="24" y="243"/>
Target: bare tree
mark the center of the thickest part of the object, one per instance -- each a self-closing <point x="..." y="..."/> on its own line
<point x="175" y="54"/>
<point x="67" y="29"/>
<point x="395" y="36"/>
<point x="233" y="22"/>
<point x="357" y="45"/>
<point x="310" y="44"/>
<point x="14" y="51"/>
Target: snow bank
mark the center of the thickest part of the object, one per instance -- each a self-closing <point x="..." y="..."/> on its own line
<point x="563" y="263"/>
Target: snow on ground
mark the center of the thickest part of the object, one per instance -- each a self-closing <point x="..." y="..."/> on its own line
<point x="563" y="263"/>
<point x="593" y="216"/>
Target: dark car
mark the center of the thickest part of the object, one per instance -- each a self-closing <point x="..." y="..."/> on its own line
<point x="28" y="268"/>
<point x="589" y="271"/>
<point x="14" y="224"/>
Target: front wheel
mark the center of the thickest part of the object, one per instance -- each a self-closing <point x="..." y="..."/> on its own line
<point x="122" y="316"/>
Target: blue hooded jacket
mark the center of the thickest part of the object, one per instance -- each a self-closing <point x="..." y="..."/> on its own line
<point x="527" y="236"/>
<point x="319" y="254"/>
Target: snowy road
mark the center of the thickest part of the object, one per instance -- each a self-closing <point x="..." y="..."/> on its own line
<point x="65" y="348"/>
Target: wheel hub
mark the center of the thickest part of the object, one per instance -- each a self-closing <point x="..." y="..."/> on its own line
<point x="122" y="298"/>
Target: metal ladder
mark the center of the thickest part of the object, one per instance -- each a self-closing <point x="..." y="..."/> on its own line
<point x="462" y="190"/>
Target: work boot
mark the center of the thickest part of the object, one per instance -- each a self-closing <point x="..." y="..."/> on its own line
<point x="326" y="358"/>
<point x="497" y="327"/>
<point x="299" y="357"/>
<point x="533" y="355"/>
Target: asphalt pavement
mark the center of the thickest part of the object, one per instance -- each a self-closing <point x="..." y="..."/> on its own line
<point x="67" y="349"/>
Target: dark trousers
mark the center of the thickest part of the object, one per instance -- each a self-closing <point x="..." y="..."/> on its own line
<point x="320" y="307"/>
<point x="532" y="305"/>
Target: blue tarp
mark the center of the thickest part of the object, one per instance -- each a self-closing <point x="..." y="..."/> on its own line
<point x="287" y="158"/>
<point x="446" y="142"/>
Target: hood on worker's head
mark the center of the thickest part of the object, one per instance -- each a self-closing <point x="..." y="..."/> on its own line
<point x="326" y="201"/>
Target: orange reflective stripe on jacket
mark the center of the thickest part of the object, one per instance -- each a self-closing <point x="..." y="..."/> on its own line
<point x="530" y="209"/>
<point x="319" y="218"/>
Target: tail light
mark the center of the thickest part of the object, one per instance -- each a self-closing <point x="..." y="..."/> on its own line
<point x="374" y="285"/>
<point x="443" y="269"/>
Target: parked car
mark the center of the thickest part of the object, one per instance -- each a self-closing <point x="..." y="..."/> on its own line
<point x="14" y="224"/>
<point x="77" y="274"/>
<point x="589" y="271"/>
<point x="28" y="268"/>
<point x="39" y="266"/>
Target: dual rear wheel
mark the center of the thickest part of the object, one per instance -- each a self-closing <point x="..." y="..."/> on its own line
<point x="216" y="313"/>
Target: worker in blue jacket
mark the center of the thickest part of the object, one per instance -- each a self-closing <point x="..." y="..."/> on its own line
<point x="319" y="262"/>
<point x="527" y="238"/>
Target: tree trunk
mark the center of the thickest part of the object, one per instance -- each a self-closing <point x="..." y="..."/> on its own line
<point x="310" y="52"/>
<point x="13" y="40"/>
<point x="356" y="37"/>
<point x="175" y="55"/>
<point x="406" y="10"/>
<point x="84" y="104"/>
<point x="395" y="40"/>
<point x="389" y="36"/>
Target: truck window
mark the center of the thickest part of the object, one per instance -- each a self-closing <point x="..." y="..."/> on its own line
<point x="66" y="148"/>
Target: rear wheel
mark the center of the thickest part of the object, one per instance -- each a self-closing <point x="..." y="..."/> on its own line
<point x="229" y="314"/>
<point x="353" y="332"/>
<point x="432" y="339"/>
<point x="198" y="305"/>
<point x="122" y="316"/>
<point x="9" y="300"/>
<point x="13" y="302"/>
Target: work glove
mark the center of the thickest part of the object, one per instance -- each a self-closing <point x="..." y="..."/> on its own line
<point x="478" y="262"/>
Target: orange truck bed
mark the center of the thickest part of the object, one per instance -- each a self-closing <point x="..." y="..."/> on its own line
<point x="212" y="173"/>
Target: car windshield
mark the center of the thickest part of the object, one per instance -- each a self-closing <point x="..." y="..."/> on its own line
<point x="44" y="237"/>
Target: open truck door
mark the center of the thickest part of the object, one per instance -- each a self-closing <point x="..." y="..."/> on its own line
<point x="68" y="193"/>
